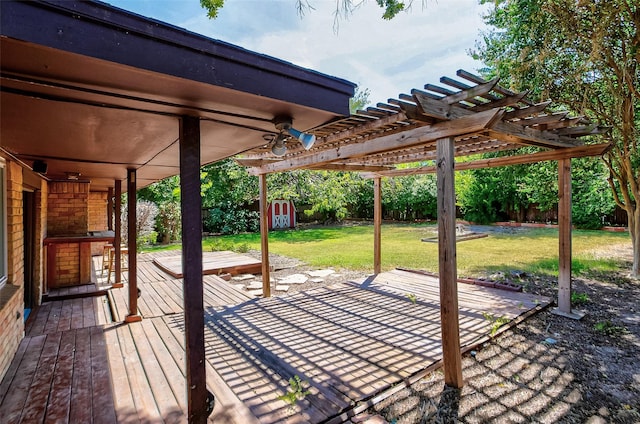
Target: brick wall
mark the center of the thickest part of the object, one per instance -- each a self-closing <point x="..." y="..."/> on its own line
<point x="15" y="232"/>
<point x="97" y="210"/>
<point x="68" y="208"/>
<point x="12" y="324"/>
<point x="67" y="264"/>
<point x="97" y="217"/>
<point x="12" y="295"/>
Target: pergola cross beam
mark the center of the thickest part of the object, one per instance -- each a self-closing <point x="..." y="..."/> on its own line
<point x="464" y="125"/>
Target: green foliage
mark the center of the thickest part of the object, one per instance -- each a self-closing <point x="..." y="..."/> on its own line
<point x="227" y="218"/>
<point x="343" y="7"/>
<point x="359" y="100"/>
<point x="166" y="195"/>
<point x="168" y="222"/>
<point x="606" y="327"/>
<point x="227" y="192"/>
<point x="486" y="195"/>
<point x="297" y="391"/>
<point x="412" y="297"/>
<point x="579" y="298"/>
<point x="496" y="322"/>
<point x="592" y="199"/>
<point x="585" y="56"/>
<point x="216" y="244"/>
<point x="391" y="8"/>
<point x="227" y="182"/>
<point x="332" y="194"/>
<point x="410" y="197"/>
<point x="146" y="212"/>
<point x="212" y="7"/>
<point x="490" y="194"/>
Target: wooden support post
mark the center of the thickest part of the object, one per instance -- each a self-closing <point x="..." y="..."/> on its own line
<point x="110" y="209"/>
<point x="447" y="264"/>
<point x="117" y="238"/>
<point x="191" y="207"/>
<point x="564" y="237"/>
<point x="264" y="236"/>
<point x="377" y="224"/>
<point x="132" y="247"/>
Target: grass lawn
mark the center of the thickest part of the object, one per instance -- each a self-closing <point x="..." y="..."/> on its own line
<point x="530" y="250"/>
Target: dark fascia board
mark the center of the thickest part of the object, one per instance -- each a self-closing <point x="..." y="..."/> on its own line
<point x="105" y="32"/>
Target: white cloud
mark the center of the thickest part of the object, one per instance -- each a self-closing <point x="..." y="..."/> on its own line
<point x="387" y="57"/>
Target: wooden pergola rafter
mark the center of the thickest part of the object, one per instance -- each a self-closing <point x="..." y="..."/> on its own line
<point x="347" y="141"/>
<point x="431" y="127"/>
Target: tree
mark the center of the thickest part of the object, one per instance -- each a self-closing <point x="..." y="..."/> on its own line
<point x="166" y="195"/>
<point x="585" y="55"/>
<point x="343" y="7"/>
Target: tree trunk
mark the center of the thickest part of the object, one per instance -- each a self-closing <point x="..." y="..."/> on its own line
<point x="633" y="216"/>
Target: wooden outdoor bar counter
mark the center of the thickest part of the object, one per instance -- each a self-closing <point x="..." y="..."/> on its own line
<point x="69" y="258"/>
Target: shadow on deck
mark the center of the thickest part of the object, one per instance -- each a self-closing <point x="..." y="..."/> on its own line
<point x="349" y="342"/>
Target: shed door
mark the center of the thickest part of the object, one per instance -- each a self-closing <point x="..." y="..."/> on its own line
<point x="280" y="214"/>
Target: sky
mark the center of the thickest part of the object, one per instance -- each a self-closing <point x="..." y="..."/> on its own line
<point x="385" y="57"/>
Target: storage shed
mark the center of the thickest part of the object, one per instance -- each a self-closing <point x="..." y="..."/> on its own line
<point x="282" y="214"/>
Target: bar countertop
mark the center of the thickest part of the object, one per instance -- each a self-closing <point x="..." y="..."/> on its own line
<point x="90" y="237"/>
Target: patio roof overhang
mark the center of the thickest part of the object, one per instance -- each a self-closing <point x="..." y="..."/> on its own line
<point x="93" y="89"/>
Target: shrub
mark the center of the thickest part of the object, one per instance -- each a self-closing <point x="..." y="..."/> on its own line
<point x="229" y="220"/>
<point x="145" y="219"/>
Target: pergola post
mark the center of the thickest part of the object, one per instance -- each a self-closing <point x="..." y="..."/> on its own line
<point x="264" y="236"/>
<point x="377" y="224"/>
<point x="191" y="208"/>
<point x="110" y="209"/>
<point x="117" y="238"/>
<point x="132" y="247"/>
<point x="447" y="265"/>
<point x="564" y="237"/>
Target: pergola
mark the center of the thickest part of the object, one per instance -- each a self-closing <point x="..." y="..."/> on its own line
<point x="434" y="126"/>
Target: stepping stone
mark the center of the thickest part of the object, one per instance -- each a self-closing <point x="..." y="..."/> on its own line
<point x="254" y="285"/>
<point x="282" y="288"/>
<point x="243" y="277"/>
<point x="255" y="293"/>
<point x="321" y="273"/>
<point x="239" y="286"/>
<point x="294" y="279"/>
<point x="317" y="280"/>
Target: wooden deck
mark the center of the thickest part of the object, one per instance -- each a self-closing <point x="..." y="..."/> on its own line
<point x="349" y="342"/>
<point x="213" y="263"/>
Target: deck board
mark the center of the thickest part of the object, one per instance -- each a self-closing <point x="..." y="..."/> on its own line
<point x="102" y="390"/>
<point x="35" y="404"/>
<point x="81" y="409"/>
<point x="60" y="400"/>
<point x="12" y="404"/>
<point x="212" y="263"/>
